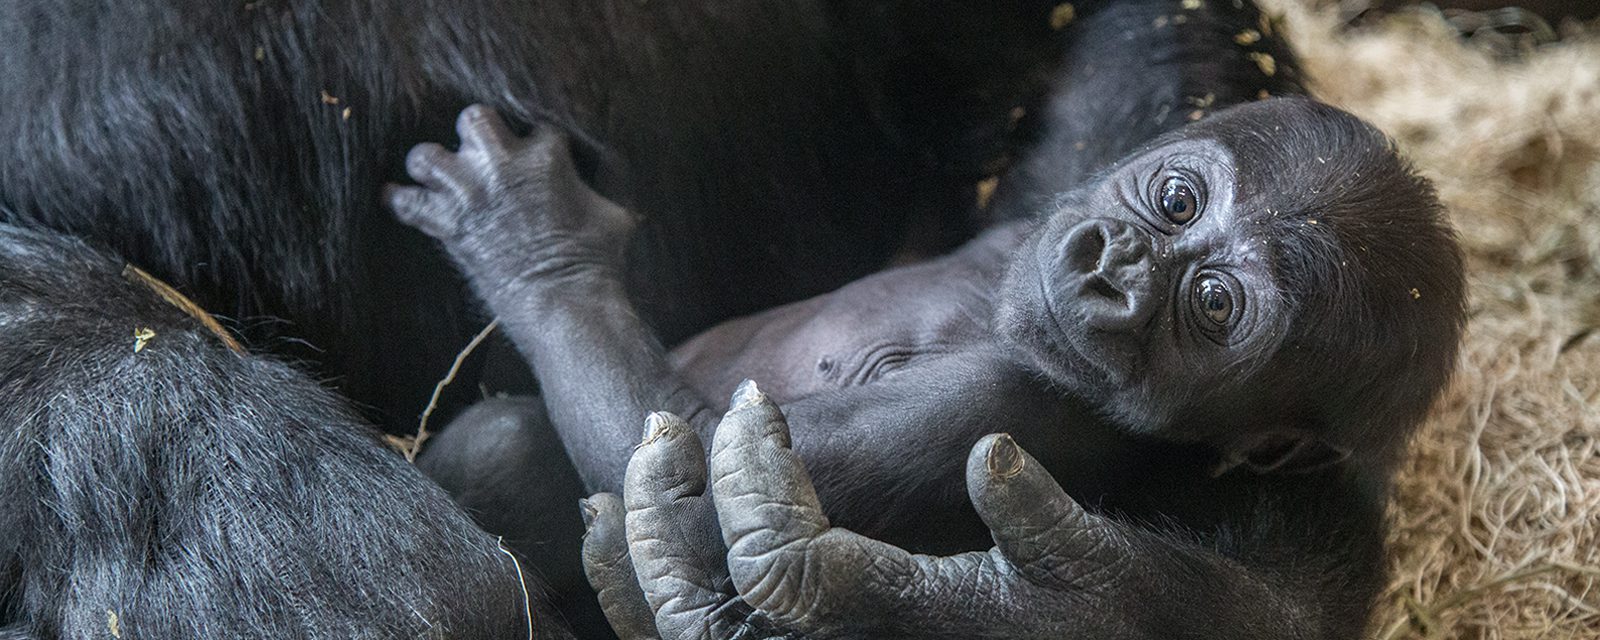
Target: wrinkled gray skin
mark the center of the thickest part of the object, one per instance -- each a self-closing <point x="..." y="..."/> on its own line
<point x="710" y="547"/>
<point x="916" y="364"/>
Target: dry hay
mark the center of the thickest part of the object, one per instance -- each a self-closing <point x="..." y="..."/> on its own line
<point x="1496" y="514"/>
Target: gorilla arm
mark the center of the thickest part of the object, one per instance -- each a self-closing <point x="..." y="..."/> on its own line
<point x="1055" y="571"/>
<point x="544" y="251"/>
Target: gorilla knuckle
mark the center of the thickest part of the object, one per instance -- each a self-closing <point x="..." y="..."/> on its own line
<point x="424" y="158"/>
<point x="769" y="578"/>
<point x="406" y="202"/>
<point x="815" y="584"/>
<point x="607" y="560"/>
<point x="615" y="221"/>
<point x="482" y="124"/>
<point x="478" y="114"/>
<point x="548" y="148"/>
<point x="1093" y="567"/>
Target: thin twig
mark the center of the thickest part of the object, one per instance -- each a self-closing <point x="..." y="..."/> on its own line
<point x="184" y="304"/>
<point x="414" y="446"/>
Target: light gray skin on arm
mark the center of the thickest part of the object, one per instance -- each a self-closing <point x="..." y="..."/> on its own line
<point x="545" y="252"/>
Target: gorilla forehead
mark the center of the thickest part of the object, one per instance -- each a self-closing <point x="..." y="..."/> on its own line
<point x="1343" y="209"/>
<point x="1292" y="144"/>
<point x="1294" y="160"/>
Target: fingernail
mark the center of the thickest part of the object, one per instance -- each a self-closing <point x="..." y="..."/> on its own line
<point x="746" y="393"/>
<point x="1005" y="458"/>
<point x="657" y="425"/>
<point x="589" y="513"/>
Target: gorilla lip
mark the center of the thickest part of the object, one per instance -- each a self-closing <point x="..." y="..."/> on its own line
<point x="1064" y="342"/>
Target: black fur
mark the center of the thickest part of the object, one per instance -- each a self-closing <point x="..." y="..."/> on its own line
<point x="1366" y="245"/>
<point x="776" y="150"/>
<point x="181" y="490"/>
<point x="772" y="153"/>
<point x="1132" y="70"/>
<point x="210" y="143"/>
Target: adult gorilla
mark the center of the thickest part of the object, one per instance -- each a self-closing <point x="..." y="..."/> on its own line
<point x="775" y="148"/>
<point x="1176" y="535"/>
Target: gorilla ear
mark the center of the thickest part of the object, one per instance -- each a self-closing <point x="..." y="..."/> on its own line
<point x="1290" y="451"/>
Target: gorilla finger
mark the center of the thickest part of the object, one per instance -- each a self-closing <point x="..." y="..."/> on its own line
<point x="783" y="556"/>
<point x="670" y="469"/>
<point x="417" y="207"/>
<point x="672" y="532"/>
<point x="754" y="471"/>
<point x="435" y="167"/>
<point x="610" y="571"/>
<point x="1036" y="526"/>
<point x="481" y="127"/>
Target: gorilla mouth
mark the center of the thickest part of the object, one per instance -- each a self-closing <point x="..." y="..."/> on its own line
<point x="1066" y="354"/>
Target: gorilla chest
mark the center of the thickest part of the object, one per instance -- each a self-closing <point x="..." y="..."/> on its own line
<point x="854" y="337"/>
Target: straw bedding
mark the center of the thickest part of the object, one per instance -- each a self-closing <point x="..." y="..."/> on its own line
<point x="1496" y="515"/>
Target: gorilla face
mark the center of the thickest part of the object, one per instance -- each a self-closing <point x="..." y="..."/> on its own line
<point x="1243" y="273"/>
<point x="1148" y="286"/>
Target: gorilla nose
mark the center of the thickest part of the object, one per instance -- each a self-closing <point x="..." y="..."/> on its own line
<point x="1111" y="267"/>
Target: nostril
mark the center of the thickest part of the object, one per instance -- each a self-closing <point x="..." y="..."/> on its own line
<point x="1108" y="264"/>
<point x="1086" y="248"/>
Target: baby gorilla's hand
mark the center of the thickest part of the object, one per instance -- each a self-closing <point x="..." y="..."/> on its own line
<point x="511" y="211"/>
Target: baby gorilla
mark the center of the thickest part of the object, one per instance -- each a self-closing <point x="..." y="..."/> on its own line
<point x="1273" y="282"/>
<point x="1229" y="333"/>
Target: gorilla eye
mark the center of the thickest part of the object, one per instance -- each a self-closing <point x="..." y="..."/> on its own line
<point x="1178" y="202"/>
<point x="1215" y="300"/>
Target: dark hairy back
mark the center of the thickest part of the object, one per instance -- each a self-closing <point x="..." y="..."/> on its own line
<point x="159" y="483"/>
